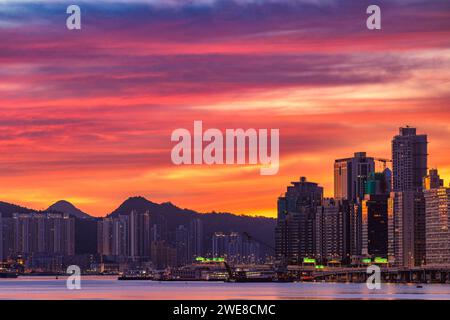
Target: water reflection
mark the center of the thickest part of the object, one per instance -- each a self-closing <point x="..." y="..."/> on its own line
<point x="110" y="288"/>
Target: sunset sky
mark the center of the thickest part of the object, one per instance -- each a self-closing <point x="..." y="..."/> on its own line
<point x="87" y="115"/>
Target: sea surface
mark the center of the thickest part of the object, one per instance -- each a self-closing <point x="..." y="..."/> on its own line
<point x="108" y="287"/>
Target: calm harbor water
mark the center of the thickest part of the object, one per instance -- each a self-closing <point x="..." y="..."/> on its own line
<point x="94" y="287"/>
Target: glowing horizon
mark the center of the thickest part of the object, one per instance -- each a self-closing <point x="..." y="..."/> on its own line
<point x="86" y="116"/>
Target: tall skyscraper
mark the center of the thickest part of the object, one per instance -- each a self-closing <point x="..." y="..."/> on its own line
<point x="409" y="155"/>
<point x="403" y="233"/>
<point x="350" y="175"/>
<point x="295" y="234"/>
<point x="437" y="208"/>
<point x="375" y="216"/>
<point x="329" y="232"/>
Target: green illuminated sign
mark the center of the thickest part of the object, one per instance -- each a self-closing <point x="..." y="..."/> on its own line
<point x="366" y="260"/>
<point x="201" y="259"/>
<point x="380" y="260"/>
<point x="309" y="260"/>
<point x="218" y="259"/>
<point x="320" y="267"/>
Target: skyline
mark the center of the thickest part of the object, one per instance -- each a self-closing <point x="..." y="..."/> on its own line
<point x="87" y="117"/>
<point x="212" y="210"/>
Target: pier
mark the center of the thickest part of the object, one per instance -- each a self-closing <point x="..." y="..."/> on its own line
<point x="391" y="275"/>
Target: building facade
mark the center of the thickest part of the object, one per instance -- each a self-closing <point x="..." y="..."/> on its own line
<point x="410" y="158"/>
<point x="375" y="216"/>
<point x="350" y="175"/>
<point x="329" y="232"/>
<point x="437" y="209"/>
<point x="46" y="234"/>
<point x="295" y="230"/>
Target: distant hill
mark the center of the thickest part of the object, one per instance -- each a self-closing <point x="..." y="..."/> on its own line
<point x="85" y="227"/>
<point x="259" y="228"/>
<point x="66" y="207"/>
<point x="7" y="209"/>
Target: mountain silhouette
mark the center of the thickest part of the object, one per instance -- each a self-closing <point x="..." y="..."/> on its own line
<point x="167" y="214"/>
<point x="67" y="207"/>
<point x="7" y="209"/>
<point x="260" y="229"/>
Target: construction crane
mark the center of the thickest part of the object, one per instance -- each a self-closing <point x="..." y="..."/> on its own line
<point x="249" y="237"/>
<point x="281" y="268"/>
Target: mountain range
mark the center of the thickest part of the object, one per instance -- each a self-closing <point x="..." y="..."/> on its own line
<point x="66" y="207"/>
<point x="260" y="229"/>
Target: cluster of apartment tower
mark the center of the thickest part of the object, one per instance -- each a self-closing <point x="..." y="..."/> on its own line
<point x="395" y="211"/>
<point x="41" y="235"/>
<point x="141" y="237"/>
<point x="138" y="237"/>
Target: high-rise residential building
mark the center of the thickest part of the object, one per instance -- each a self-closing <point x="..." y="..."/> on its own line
<point x="432" y="180"/>
<point x="1" y="239"/>
<point x="105" y="236"/>
<point x="350" y="175"/>
<point x="409" y="155"/>
<point x="7" y="240"/>
<point x="125" y="236"/>
<point x="329" y="232"/>
<point x="27" y="234"/>
<point x="219" y="244"/>
<point x="352" y="229"/>
<point x="139" y="235"/>
<point x="120" y="237"/>
<point x="375" y="216"/>
<point x="295" y="231"/>
<point x="437" y="209"/>
<point x="402" y="234"/>
<point x="181" y="244"/>
<point x="195" y="244"/>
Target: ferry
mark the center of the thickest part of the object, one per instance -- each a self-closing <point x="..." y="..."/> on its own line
<point x="7" y="273"/>
<point x="136" y="276"/>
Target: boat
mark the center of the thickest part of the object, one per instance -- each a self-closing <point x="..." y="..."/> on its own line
<point x="5" y="274"/>
<point x="252" y="276"/>
<point x="135" y="276"/>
